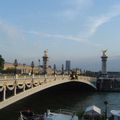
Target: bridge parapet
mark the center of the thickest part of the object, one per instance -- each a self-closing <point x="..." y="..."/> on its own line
<point x="10" y="81"/>
<point x="90" y="79"/>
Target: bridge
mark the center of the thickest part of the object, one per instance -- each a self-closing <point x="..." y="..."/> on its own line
<point x="25" y="86"/>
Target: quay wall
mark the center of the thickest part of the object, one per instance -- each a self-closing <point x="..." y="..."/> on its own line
<point x="108" y="84"/>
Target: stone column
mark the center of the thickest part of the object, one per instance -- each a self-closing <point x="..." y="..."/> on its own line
<point x="104" y="63"/>
<point x="45" y="62"/>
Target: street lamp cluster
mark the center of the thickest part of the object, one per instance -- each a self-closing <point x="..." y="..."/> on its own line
<point x="45" y="67"/>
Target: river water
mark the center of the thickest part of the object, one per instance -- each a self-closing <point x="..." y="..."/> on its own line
<point x="65" y="99"/>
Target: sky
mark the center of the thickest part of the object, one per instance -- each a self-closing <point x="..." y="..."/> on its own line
<point x="76" y="30"/>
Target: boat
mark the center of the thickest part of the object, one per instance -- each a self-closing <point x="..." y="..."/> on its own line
<point x="57" y="115"/>
<point x="115" y="114"/>
<point x="29" y="115"/>
<point x="60" y="115"/>
<point x="93" y="111"/>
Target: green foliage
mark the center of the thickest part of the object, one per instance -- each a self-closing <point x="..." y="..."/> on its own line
<point x="2" y="62"/>
<point x="11" y="71"/>
<point x="80" y="114"/>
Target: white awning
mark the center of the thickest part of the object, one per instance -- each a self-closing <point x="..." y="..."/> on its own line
<point x="93" y="111"/>
<point x="115" y="112"/>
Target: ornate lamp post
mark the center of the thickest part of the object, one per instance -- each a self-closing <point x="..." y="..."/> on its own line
<point x="15" y="64"/>
<point x="62" y="69"/>
<point x="24" y="71"/>
<point x="106" y="103"/>
<point x="32" y="66"/>
<point x="54" y="67"/>
<point x="39" y="66"/>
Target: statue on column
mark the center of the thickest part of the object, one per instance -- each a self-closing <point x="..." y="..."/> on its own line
<point x="104" y="53"/>
<point x="46" y="52"/>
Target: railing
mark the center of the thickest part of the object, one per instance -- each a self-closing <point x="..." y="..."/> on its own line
<point x="15" y="83"/>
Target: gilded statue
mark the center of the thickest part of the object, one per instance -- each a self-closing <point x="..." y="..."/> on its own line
<point x="104" y="52"/>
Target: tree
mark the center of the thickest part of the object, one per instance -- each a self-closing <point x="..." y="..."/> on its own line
<point x="2" y="62"/>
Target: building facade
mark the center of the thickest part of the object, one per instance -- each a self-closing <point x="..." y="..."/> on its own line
<point x="68" y="66"/>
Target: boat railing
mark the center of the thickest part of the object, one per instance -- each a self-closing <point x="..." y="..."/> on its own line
<point x="64" y="111"/>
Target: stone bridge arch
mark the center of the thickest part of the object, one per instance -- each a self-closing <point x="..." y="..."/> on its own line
<point x="37" y="85"/>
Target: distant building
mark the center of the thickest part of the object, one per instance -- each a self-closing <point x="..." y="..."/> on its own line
<point x="24" y="69"/>
<point x="68" y="65"/>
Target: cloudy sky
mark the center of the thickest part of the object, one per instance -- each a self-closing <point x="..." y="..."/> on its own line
<point x="77" y="30"/>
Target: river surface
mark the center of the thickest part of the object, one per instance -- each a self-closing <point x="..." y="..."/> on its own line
<point x="65" y="99"/>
